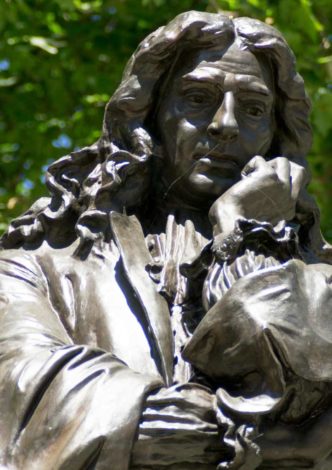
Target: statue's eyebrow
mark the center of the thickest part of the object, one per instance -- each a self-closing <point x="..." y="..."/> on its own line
<point x="213" y="76"/>
<point x="204" y="74"/>
<point x="255" y="85"/>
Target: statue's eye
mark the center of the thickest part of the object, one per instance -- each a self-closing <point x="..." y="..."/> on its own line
<point x="198" y="98"/>
<point x="253" y="109"/>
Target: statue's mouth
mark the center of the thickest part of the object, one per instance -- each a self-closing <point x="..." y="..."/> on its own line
<point x="217" y="161"/>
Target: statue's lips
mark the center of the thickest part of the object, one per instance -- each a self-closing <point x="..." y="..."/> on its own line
<point x="218" y="161"/>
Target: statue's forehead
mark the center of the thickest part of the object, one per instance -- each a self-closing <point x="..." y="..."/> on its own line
<point x="215" y="65"/>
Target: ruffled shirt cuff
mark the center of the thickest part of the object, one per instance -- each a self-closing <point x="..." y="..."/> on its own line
<point x="280" y="241"/>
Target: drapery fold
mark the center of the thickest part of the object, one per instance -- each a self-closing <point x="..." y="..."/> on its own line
<point x="62" y="405"/>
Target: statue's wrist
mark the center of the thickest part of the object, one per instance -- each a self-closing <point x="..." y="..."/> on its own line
<point x="256" y="235"/>
<point x="224" y="216"/>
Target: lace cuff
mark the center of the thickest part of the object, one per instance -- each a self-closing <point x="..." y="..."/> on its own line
<point x="262" y="237"/>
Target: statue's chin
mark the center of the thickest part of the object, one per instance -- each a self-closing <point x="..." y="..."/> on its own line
<point x="209" y="185"/>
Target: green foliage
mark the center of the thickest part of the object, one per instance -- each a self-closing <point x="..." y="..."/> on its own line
<point x="60" y="61"/>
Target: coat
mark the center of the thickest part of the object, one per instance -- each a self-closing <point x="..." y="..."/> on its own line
<point x="82" y="344"/>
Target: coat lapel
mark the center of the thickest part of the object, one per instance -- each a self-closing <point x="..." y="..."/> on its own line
<point x="129" y="237"/>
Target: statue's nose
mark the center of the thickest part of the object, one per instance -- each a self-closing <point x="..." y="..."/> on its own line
<point x="224" y="125"/>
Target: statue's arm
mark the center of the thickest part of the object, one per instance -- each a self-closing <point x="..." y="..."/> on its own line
<point x="62" y="405"/>
<point x="268" y="322"/>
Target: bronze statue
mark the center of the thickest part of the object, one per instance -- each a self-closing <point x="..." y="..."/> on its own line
<point x="168" y="307"/>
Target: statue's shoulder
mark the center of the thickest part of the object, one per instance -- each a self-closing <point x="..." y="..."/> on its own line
<point x="31" y="264"/>
<point x="21" y="259"/>
<point x="20" y="270"/>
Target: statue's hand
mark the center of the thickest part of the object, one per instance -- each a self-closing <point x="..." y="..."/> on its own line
<point x="179" y="426"/>
<point x="267" y="192"/>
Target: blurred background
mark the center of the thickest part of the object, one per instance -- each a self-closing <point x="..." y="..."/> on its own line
<point x="60" y="61"/>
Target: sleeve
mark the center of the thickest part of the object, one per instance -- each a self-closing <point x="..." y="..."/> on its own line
<point x="62" y="406"/>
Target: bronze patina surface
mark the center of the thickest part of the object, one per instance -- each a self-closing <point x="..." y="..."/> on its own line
<point x="168" y="307"/>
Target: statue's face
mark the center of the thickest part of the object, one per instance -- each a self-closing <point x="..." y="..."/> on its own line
<point x="216" y="114"/>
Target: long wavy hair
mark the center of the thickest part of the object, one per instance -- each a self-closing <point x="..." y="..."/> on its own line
<point x="115" y="173"/>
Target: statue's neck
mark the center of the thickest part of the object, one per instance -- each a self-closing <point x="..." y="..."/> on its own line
<point x="161" y="204"/>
